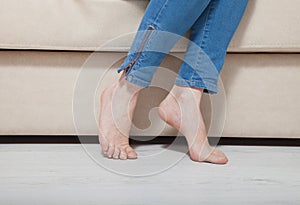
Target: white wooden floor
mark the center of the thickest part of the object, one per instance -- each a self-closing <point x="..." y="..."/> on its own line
<point x="65" y="174"/>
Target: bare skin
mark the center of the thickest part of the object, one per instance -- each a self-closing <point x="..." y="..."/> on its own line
<point x="180" y="109"/>
<point x="115" y="124"/>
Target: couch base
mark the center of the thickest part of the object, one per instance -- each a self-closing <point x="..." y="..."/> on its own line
<point x="36" y="93"/>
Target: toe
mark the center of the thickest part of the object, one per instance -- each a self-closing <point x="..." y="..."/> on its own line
<point x="103" y="143"/>
<point x="104" y="147"/>
<point x="116" y="153"/>
<point x="123" y="154"/>
<point x="217" y="157"/>
<point x="221" y="158"/>
<point x="110" y="151"/>
<point x="214" y="156"/>
<point x="131" y="154"/>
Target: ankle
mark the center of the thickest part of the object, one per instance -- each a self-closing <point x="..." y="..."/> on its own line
<point x="128" y="87"/>
<point x="184" y="93"/>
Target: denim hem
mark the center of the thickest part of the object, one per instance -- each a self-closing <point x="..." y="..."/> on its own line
<point x="120" y="68"/>
<point x="137" y="81"/>
<point x="208" y="87"/>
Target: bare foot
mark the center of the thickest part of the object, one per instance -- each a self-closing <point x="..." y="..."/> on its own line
<point x="181" y="110"/>
<point x="116" y="111"/>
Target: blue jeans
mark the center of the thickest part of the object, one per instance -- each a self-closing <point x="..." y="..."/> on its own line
<point x="212" y="24"/>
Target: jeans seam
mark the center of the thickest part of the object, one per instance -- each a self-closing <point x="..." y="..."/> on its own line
<point x="147" y="42"/>
<point x="159" y="13"/>
<point x="154" y="24"/>
<point x="206" y="27"/>
<point x="202" y="37"/>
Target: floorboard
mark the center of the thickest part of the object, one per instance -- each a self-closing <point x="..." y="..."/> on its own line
<point x="66" y="174"/>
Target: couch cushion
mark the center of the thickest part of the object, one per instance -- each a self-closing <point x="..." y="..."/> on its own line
<point x="269" y="25"/>
<point x="36" y="93"/>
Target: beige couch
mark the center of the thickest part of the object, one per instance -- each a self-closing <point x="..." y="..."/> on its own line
<point x="44" y="44"/>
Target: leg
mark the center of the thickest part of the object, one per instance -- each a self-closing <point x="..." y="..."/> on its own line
<point x="211" y="35"/>
<point x="118" y="101"/>
<point x="174" y="16"/>
<point x="113" y="138"/>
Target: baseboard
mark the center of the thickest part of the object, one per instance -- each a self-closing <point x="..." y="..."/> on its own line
<point x="235" y="141"/>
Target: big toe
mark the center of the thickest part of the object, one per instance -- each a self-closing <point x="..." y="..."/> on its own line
<point x="217" y="157"/>
<point x="131" y="154"/>
<point x="104" y="146"/>
<point x="214" y="156"/>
